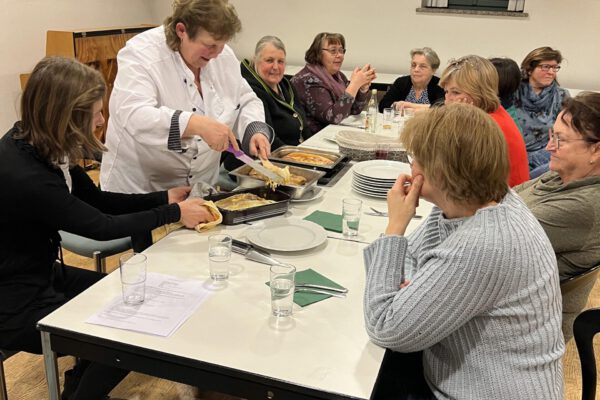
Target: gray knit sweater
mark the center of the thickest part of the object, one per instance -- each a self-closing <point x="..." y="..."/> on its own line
<point x="483" y="304"/>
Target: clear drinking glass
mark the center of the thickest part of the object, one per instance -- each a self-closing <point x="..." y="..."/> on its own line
<point x="282" y="289"/>
<point x="351" y="216"/>
<point x="133" y="277"/>
<point x="388" y="118"/>
<point x="219" y="254"/>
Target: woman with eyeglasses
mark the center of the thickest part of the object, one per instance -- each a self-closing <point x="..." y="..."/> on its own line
<point x="324" y="91"/>
<point x="538" y="102"/>
<point x="566" y="199"/>
<point x="472" y="295"/>
<point x="474" y="80"/>
<point x="420" y="88"/>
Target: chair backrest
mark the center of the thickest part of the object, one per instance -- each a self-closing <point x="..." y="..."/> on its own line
<point x="578" y="281"/>
<point x="586" y="325"/>
<point x="4" y="355"/>
<point x="575" y="292"/>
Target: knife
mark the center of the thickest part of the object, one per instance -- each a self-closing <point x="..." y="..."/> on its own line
<point x="318" y="291"/>
<point x="243" y="157"/>
<point x="252" y="253"/>
<point x="321" y="287"/>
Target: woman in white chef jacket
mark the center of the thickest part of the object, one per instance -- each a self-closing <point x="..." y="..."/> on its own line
<point x="178" y="101"/>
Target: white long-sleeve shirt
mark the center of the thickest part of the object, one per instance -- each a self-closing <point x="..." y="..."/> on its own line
<point x="152" y="84"/>
<point x="483" y="303"/>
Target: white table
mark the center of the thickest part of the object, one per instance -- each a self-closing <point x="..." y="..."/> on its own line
<point x="232" y="343"/>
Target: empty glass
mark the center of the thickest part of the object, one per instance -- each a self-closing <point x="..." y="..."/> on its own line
<point x="351" y="216"/>
<point x="133" y="277"/>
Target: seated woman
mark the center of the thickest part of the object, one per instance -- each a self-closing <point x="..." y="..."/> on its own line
<point x="325" y="93"/>
<point x="474" y="80"/>
<point x="45" y="191"/>
<point x="538" y="101"/>
<point x="481" y="298"/>
<point x="282" y="110"/>
<point x="566" y="199"/>
<point x="420" y="88"/>
<point x="509" y="79"/>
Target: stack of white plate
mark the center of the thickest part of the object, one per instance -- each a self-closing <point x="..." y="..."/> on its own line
<point x="375" y="177"/>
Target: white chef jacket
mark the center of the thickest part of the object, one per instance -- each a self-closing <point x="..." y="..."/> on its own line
<point x="152" y="83"/>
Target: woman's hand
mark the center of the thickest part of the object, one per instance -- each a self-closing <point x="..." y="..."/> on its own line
<point x="403" y="199"/>
<point x="260" y="146"/>
<point x="361" y="78"/>
<point x="217" y="136"/>
<point x="194" y="212"/>
<point x="402" y="105"/>
<point x="178" y="194"/>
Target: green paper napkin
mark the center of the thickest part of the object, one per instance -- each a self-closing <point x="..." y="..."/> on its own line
<point x="310" y="276"/>
<point x="329" y="221"/>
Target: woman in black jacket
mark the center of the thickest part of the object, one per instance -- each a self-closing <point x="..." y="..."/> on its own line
<point x="420" y="88"/>
<point x="44" y="192"/>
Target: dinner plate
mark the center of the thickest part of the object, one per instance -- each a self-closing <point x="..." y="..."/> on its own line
<point x="381" y="169"/>
<point x="367" y="193"/>
<point x="367" y="188"/>
<point x="373" y="183"/>
<point x="314" y="194"/>
<point x="287" y="235"/>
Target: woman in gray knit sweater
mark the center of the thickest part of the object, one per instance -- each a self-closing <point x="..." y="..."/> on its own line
<point x="475" y="287"/>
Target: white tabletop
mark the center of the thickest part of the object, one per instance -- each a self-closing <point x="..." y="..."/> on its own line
<point x="324" y="345"/>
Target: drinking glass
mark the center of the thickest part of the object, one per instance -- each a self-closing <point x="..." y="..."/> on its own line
<point x="351" y="216"/>
<point x="282" y="289"/>
<point x="388" y="118"/>
<point x="133" y="277"/>
<point x="219" y="254"/>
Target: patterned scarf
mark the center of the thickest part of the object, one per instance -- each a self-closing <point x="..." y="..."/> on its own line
<point x="544" y="106"/>
<point x="334" y="82"/>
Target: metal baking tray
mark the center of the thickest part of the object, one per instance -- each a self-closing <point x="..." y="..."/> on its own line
<point x="278" y="154"/>
<point x="295" y="191"/>
<point x="281" y="198"/>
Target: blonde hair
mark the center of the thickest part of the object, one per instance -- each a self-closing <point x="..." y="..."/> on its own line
<point x="217" y="17"/>
<point x="477" y="77"/>
<point x="57" y="109"/>
<point x="462" y="151"/>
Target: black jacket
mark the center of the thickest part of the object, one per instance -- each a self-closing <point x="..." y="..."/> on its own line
<point x="35" y="204"/>
<point x="401" y="87"/>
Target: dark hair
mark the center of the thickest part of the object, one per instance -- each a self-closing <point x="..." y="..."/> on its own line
<point x="509" y="78"/>
<point x="535" y="57"/>
<point x="584" y="110"/>
<point x="314" y="52"/>
<point x="56" y="109"/>
<point x="216" y="17"/>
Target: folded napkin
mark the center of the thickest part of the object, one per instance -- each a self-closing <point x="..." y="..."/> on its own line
<point x="310" y="276"/>
<point x="331" y="222"/>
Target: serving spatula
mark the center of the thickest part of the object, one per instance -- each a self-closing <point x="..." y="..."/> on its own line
<point x="243" y="157"/>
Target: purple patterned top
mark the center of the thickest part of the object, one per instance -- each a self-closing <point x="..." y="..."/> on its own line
<point x="321" y="105"/>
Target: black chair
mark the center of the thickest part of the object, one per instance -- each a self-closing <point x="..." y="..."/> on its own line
<point x="4" y="355"/>
<point x="586" y="325"/>
<point x="575" y="292"/>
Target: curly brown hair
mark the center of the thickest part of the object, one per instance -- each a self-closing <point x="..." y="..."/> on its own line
<point x="216" y="17"/>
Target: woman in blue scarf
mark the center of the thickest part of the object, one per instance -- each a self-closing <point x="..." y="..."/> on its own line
<point x="538" y="102"/>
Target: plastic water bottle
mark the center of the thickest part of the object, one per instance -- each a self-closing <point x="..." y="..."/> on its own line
<point x="372" y="111"/>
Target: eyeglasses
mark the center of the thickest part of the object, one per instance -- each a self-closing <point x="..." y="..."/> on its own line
<point x="548" y="67"/>
<point x="334" y="52"/>
<point x="556" y="140"/>
<point x="420" y="66"/>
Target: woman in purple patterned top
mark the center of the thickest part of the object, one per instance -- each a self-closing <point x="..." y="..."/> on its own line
<point x="323" y="90"/>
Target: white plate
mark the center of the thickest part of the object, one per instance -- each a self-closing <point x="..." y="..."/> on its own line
<point x="381" y="169"/>
<point x="314" y="194"/>
<point x="370" y="194"/>
<point x="373" y="183"/>
<point x="287" y="235"/>
<point x="368" y="188"/>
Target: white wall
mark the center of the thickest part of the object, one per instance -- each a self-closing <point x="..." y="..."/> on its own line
<point x="383" y="32"/>
<point x="23" y="26"/>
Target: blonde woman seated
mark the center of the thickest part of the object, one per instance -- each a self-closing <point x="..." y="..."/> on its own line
<point x="474" y="80"/>
<point x="481" y="298"/>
